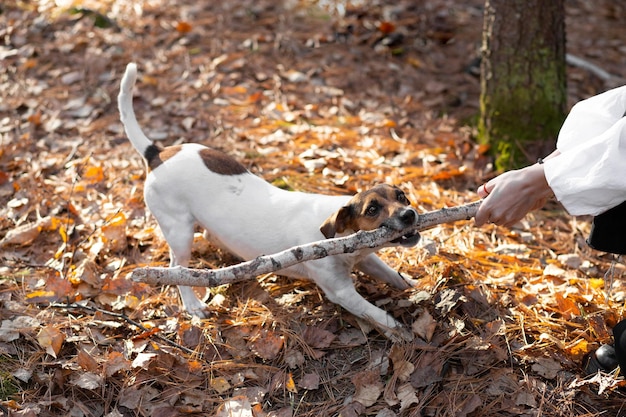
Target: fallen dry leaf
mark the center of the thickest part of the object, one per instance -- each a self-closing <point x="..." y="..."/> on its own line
<point x="311" y="97"/>
<point x="267" y="344"/>
<point x="51" y="339"/>
<point x="310" y="381"/>
<point x="235" y="407"/>
<point x="88" y="381"/>
<point x="368" y="387"/>
<point x="424" y="326"/>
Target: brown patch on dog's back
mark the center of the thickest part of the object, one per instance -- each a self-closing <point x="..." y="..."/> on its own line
<point x="220" y="163"/>
<point x="155" y="156"/>
<point x="214" y="160"/>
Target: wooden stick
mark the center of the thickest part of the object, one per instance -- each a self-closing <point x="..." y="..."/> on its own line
<point x="270" y="263"/>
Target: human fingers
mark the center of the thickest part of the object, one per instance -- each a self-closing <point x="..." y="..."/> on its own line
<point x="484" y="190"/>
<point x="482" y="214"/>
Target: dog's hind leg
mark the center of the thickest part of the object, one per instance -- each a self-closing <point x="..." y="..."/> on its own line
<point x="179" y="235"/>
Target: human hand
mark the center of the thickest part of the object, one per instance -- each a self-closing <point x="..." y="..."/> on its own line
<point x="511" y="195"/>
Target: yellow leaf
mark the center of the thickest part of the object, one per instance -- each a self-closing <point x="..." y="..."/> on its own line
<point x="59" y="222"/>
<point x="118" y="220"/>
<point x="220" y="385"/>
<point x="290" y="385"/>
<point x="114" y="232"/>
<point x="63" y="234"/>
<point x="579" y="349"/>
<point x="40" y="295"/>
<point x="146" y="79"/>
<point x="596" y="283"/>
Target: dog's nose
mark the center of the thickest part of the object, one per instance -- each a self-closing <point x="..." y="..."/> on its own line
<point x="408" y="216"/>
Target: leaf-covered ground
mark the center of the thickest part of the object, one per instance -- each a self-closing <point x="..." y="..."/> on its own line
<point x="311" y="97"/>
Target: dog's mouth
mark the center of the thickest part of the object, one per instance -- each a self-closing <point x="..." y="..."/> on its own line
<point x="407" y="240"/>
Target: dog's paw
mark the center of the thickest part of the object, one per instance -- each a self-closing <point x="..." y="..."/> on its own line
<point x="395" y="331"/>
<point x="398" y="334"/>
<point x="191" y="303"/>
<point x="410" y="282"/>
<point x="198" y="312"/>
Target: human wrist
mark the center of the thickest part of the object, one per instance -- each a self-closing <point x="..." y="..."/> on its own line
<point x="539" y="181"/>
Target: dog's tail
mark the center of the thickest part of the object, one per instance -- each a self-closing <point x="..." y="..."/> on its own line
<point x="127" y="115"/>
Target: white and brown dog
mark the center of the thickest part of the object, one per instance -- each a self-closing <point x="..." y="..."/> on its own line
<point x="191" y="184"/>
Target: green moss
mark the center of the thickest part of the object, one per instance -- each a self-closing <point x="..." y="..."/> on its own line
<point x="283" y="182"/>
<point x="9" y="387"/>
<point x="523" y="113"/>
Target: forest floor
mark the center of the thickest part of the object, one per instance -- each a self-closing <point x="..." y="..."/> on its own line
<point x="311" y="96"/>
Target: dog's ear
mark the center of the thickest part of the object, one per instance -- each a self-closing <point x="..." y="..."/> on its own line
<point x="337" y="222"/>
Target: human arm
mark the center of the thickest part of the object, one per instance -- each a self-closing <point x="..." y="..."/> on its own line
<point x="511" y="195"/>
<point x="587" y="173"/>
<point x="591" y="177"/>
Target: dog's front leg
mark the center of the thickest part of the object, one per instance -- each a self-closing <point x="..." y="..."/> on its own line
<point x="339" y="289"/>
<point x="374" y="267"/>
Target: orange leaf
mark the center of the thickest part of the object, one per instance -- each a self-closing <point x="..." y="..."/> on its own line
<point x="114" y="233"/>
<point x="579" y="349"/>
<point x="255" y="97"/>
<point x="86" y="361"/>
<point x="183" y="27"/>
<point x="29" y="63"/>
<point x="35" y="118"/>
<point x="567" y="307"/>
<point x="388" y="123"/>
<point x="386" y="27"/>
<point x="58" y="223"/>
<point x="146" y="335"/>
<point x="115" y="362"/>
<point x="195" y="366"/>
<point x="146" y="79"/>
<point x="267" y="345"/>
<point x="483" y="149"/>
<point x="72" y="209"/>
<point x="93" y="174"/>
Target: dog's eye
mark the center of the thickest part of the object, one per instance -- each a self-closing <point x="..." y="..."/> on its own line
<point x="372" y="210"/>
<point x="401" y="197"/>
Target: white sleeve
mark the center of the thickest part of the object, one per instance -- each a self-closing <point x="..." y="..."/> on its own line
<point x="590" y="177"/>
<point x="591" y="117"/>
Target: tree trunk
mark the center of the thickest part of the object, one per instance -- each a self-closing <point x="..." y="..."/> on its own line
<point x="523" y="79"/>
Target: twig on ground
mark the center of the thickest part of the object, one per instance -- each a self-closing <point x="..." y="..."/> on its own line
<point x="289" y="257"/>
<point x="608" y="78"/>
<point x="77" y="306"/>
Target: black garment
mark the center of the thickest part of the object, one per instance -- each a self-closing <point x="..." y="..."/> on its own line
<point x="608" y="231"/>
<point x="608" y="234"/>
<point x="619" y="335"/>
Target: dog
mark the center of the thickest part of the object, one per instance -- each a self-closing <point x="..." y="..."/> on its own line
<point x="240" y="212"/>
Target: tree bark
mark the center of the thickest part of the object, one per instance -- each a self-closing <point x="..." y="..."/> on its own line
<point x="316" y="250"/>
<point x="523" y="79"/>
